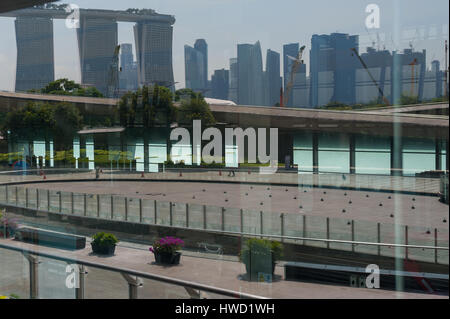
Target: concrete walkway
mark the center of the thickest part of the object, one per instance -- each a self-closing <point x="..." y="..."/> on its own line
<point x="217" y="273"/>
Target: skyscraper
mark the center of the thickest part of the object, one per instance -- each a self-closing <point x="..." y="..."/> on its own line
<point x="273" y="79"/>
<point x="233" y="81"/>
<point x="194" y="69"/>
<point x="220" y="84"/>
<point x="154" y="52"/>
<point x="289" y="50"/>
<point x="201" y="46"/>
<point x="250" y="74"/>
<point x="35" y="64"/>
<point x="97" y="41"/>
<point x="128" y="78"/>
<point x="333" y="69"/>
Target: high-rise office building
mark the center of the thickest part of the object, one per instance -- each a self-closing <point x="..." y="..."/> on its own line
<point x="128" y="78"/>
<point x="201" y="46"/>
<point x="332" y="69"/>
<point x="220" y="84"/>
<point x="154" y="52"/>
<point x="97" y="41"/>
<point x="194" y="69"/>
<point x="250" y="74"/>
<point x="272" y="78"/>
<point x="35" y="56"/>
<point x="233" y="81"/>
<point x="290" y="52"/>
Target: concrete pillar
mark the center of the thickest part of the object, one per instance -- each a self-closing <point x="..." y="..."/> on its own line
<point x="396" y="156"/>
<point x="315" y="147"/>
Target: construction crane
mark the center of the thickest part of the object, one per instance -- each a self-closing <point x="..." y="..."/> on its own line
<point x="386" y="101"/>
<point x="113" y="74"/>
<point x="295" y="65"/>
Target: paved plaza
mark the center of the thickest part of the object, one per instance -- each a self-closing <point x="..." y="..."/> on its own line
<point x="380" y="207"/>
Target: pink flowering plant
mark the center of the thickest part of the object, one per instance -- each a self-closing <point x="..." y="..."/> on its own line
<point x="167" y="244"/>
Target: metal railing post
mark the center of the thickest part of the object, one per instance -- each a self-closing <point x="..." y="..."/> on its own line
<point x="328" y="232"/>
<point x="140" y="211"/>
<point x="406" y="242"/>
<point x="79" y="291"/>
<point x="170" y="214"/>
<point x="126" y="208"/>
<point x="379" y="238"/>
<point x="241" y="212"/>
<point x="17" y="197"/>
<point x="304" y="229"/>
<point x="48" y="200"/>
<point x="6" y="195"/>
<point x="261" y="225"/>
<point x="60" y="201"/>
<point x="98" y="205"/>
<point x="204" y="217"/>
<point x="155" y="211"/>
<point x="353" y="235"/>
<point x="112" y="207"/>
<point x="223" y="219"/>
<point x="37" y="199"/>
<point x="435" y="245"/>
<point x="85" y="204"/>
<point x="33" y="263"/>
<point x="72" y="203"/>
<point x="133" y="284"/>
<point x="26" y="197"/>
<point x="187" y="215"/>
<point x="282" y="226"/>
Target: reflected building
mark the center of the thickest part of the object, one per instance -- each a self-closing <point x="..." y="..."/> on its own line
<point x="97" y="40"/>
<point x="250" y="74"/>
<point x="332" y="69"/>
<point x="289" y="51"/>
<point x="220" y="84"/>
<point x="272" y="79"/>
<point x="128" y="78"/>
<point x="35" y="55"/>
<point x="154" y="52"/>
<point x="233" y="81"/>
<point x="194" y="69"/>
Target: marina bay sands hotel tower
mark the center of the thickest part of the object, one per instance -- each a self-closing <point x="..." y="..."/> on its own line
<point x="97" y="35"/>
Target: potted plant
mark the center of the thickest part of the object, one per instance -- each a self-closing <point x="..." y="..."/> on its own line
<point x="166" y="250"/>
<point x="104" y="243"/>
<point x="8" y="226"/>
<point x="260" y="256"/>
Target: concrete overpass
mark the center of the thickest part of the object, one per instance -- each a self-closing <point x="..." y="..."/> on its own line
<point x="380" y="123"/>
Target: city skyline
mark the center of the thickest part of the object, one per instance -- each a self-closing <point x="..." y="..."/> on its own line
<point x="223" y="45"/>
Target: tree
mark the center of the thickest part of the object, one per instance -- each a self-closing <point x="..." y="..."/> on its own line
<point x="67" y="87"/>
<point x="195" y="109"/>
<point x="185" y="93"/>
<point x="61" y="121"/>
<point x="148" y="106"/>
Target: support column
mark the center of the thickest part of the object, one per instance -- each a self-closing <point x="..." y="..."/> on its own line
<point x="352" y="154"/>
<point x="315" y="147"/>
<point x="396" y="156"/>
<point x="133" y="284"/>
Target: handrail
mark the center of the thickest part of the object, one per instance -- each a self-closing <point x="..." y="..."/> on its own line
<point x="140" y="274"/>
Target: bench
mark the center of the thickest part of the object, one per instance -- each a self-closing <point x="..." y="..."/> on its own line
<point x="52" y="238"/>
<point x="356" y="277"/>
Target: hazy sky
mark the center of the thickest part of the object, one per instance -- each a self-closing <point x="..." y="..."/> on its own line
<point x="225" y="23"/>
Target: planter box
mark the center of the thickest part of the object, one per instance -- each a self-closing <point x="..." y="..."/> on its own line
<point x="167" y="258"/>
<point x="46" y="237"/>
<point x="103" y="250"/>
<point x="6" y="232"/>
